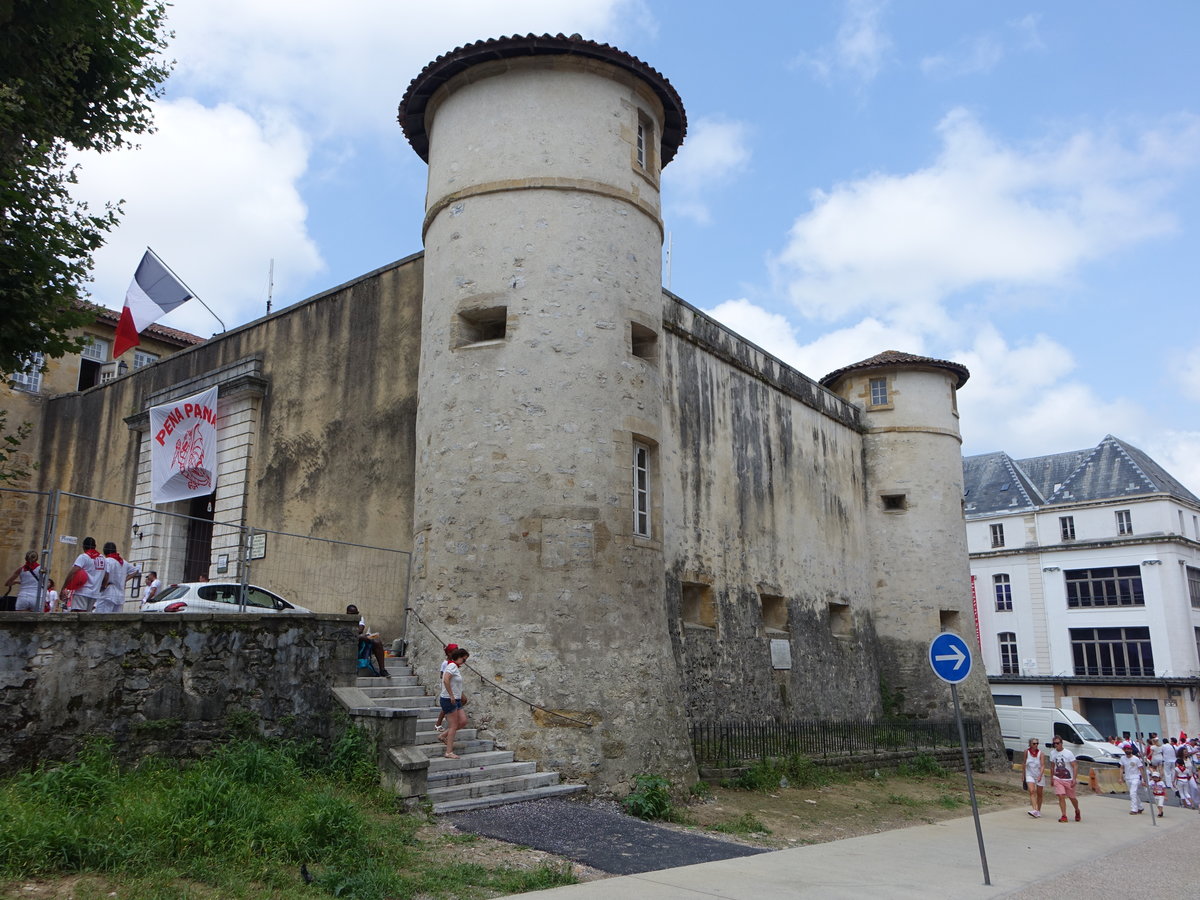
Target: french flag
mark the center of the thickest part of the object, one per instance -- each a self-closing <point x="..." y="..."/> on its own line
<point x="155" y="291"/>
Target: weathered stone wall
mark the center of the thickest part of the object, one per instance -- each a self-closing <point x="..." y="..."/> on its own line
<point x="763" y="495"/>
<point x="166" y="684"/>
<point x="329" y="454"/>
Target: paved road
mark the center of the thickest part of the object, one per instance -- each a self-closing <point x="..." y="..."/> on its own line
<point x="604" y="839"/>
<point x="1109" y="851"/>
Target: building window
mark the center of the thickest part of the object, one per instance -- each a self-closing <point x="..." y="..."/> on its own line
<point x="696" y="605"/>
<point x="894" y="502"/>
<point x="1008" y="653"/>
<point x="1112" y="651"/>
<point x="1110" y="586"/>
<point x="641" y="490"/>
<point x="1003" y="588"/>
<point x="480" y="326"/>
<point x="1124" y="522"/>
<point x="1193" y="578"/>
<point x="141" y="358"/>
<point x="997" y="535"/>
<point x="30" y="378"/>
<point x="1066" y="527"/>
<point x="879" y="392"/>
<point x="644" y="152"/>
<point x="97" y="349"/>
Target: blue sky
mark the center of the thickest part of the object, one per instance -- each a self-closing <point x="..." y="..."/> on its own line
<point x="1012" y="186"/>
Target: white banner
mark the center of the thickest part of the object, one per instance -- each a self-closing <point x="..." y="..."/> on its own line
<point x="183" y="448"/>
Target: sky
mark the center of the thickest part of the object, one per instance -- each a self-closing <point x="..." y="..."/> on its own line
<point x="1013" y="186"/>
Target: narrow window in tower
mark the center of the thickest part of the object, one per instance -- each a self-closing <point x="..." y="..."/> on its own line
<point x="643" y="151"/>
<point x="480" y="326"/>
<point x="879" y="392"/>
<point x="643" y="342"/>
<point x="641" y="144"/>
<point x="641" y="490"/>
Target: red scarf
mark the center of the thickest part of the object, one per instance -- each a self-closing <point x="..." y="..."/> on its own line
<point x="115" y="555"/>
<point x="30" y="567"/>
<point x="93" y="553"/>
<point x="1034" y="753"/>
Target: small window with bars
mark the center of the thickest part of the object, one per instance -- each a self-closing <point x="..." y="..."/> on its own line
<point x="641" y="490"/>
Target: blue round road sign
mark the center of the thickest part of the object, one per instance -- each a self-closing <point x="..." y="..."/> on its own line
<point x="950" y="657"/>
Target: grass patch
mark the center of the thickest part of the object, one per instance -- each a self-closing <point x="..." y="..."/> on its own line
<point x="950" y="801"/>
<point x="923" y="765"/>
<point x="903" y="800"/>
<point x="746" y="823"/>
<point x="238" y="823"/>
<point x="651" y="799"/>
<point x="792" y="771"/>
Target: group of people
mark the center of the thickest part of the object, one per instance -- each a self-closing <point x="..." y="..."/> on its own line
<point x="1160" y="765"/>
<point x="96" y="582"/>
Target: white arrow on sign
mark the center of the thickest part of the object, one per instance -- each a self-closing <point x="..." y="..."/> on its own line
<point x="958" y="656"/>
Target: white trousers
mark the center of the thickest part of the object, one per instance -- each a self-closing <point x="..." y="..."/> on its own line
<point x="1135" y="802"/>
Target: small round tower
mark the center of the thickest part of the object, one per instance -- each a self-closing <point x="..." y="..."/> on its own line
<point x="538" y="535"/>
<point x="912" y="459"/>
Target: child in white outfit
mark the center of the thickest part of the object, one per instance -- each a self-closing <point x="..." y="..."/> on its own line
<point x="1158" y="792"/>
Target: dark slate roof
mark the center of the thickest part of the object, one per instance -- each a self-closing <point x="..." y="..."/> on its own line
<point x="893" y="358"/>
<point x="992" y="483"/>
<point x="1111" y="470"/>
<point x="422" y="88"/>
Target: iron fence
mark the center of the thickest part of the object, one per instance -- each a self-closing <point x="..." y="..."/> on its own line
<point x="729" y="744"/>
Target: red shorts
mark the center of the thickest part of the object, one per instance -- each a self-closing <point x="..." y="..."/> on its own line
<point x="1064" y="787"/>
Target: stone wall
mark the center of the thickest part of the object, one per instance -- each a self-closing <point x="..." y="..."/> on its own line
<point x="166" y="684"/>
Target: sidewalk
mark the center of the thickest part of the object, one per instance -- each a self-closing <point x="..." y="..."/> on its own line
<point x="1093" y="856"/>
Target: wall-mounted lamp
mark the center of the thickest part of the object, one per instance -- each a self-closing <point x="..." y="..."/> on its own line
<point x="1151" y="562"/>
<point x="137" y="531"/>
<point x="122" y="368"/>
<point x="1051" y="569"/>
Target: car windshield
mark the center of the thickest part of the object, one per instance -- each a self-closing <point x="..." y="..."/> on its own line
<point x="174" y="592"/>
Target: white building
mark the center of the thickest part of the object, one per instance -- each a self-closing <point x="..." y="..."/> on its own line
<point x="1086" y="572"/>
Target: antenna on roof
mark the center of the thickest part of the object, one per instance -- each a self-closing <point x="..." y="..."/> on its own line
<point x="270" y="284"/>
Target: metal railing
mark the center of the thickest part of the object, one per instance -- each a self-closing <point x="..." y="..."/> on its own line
<point x="728" y="744"/>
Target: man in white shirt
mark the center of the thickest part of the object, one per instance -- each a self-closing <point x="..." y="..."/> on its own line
<point x="116" y="573"/>
<point x="150" y="591"/>
<point x="1065" y="772"/>
<point x="1131" y="768"/>
<point x="91" y="564"/>
<point x="1168" y="753"/>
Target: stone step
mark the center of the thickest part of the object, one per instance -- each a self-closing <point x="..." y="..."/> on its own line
<point x="553" y="790"/>
<point x="440" y="764"/>
<point x="431" y="736"/>
<point x="392" y="690"/>
<point x="480" y="773"/>
<point x="419" y="703"/>
<point x="460" y="747"/>
<point x="474" y="789"/>
<point x="384" y="684"/>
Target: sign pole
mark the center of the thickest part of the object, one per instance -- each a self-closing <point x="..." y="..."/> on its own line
<point x="962" y="740"/>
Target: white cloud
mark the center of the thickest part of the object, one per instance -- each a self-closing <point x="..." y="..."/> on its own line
<point x="982" y="215"/>
<point x="1186" y="371"/>
<point x="214" y="193"/>
<point x="346" y="66"/>
<point x="1176" y="451"/>
<point x="860" y="48"/>
<point x="977" y="55"/>
<point x="1023" y="398"/>
<point x="715" y="151"/>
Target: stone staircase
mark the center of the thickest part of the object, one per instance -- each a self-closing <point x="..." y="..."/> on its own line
<point x="483" y="776"/>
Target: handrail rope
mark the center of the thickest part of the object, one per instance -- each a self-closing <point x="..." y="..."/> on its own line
<point x="482" y="677"/>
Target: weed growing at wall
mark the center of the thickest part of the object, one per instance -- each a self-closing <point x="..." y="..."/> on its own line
<point x="922" y="765"/>
<point x="651" y="799"/>
<point x="241" y="822"/>
<point x="792" y="771"/>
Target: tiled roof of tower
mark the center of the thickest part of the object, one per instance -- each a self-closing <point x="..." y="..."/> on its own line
<point x="446" y="66"/>
<point x="889" y="358"/>
<point x="1112" y="470"/>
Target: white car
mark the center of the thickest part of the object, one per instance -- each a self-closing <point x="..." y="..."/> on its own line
<point x="219" y="597"/>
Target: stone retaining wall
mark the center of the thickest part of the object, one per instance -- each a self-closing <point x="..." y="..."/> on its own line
<point x="166" y="684"/>
<point x="886" y="761"/>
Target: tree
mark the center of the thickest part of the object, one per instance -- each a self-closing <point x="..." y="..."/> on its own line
<point x="73" y="73"/>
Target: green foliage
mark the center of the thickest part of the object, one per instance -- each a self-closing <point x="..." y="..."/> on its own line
<point x="793" y="771"/>
<point x="763" y="775"/>
<point x="746" y="823"/>
<point x="238" y="823"/>
<point x="80" y="75"/>
<point x="9" y="446"/>
<point x="950" y="801"/>
<point x="701" y="790"/>
<point x="903" y="800"/>
<point x="650" y="798"/>
<point x="922" y="765"/>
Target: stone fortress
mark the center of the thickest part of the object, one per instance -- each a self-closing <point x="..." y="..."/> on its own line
<point x="631" y="516"/>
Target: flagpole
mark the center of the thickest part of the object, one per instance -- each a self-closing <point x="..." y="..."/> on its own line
<point x="188" y="286"/>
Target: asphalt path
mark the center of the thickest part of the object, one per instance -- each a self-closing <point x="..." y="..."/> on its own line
<point x="601" y="838"/>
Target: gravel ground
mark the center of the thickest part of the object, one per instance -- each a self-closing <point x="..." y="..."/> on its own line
<point x="597" y="834"/>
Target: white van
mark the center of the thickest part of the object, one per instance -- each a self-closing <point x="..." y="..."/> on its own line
<point x="1020" y="723"/>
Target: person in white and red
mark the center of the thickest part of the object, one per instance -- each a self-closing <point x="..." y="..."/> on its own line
<point x="150" y="591"/>
<point x="31" y="576"/>
<point x="116" y="573"/>
<point x="86" y="578"/>
<point x="1065" y="772"/>
<point x="1131" y="769"/>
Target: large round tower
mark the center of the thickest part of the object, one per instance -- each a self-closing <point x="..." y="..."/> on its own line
<point x="537" y="531"/>
<point x="912" y="453"/>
